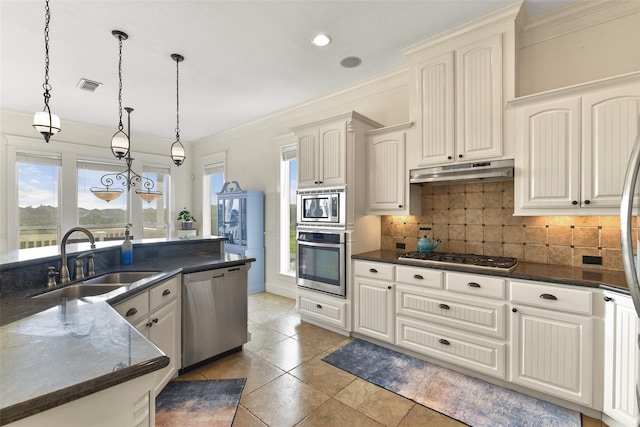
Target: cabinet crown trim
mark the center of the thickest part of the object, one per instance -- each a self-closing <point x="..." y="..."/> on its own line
<point x="633" y="77"/>
<point x="504" y="15"/>
<point x="389" y="128"/>
<point x="351" y="115"/>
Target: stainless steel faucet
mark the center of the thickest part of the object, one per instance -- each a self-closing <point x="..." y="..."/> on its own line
<point x="64" y="270"/>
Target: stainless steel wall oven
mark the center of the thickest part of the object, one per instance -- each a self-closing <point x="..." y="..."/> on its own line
<point x="321" y="262"/>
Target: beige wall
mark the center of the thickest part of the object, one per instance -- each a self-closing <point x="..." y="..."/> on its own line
<point x="607" y="49"/>
<point x="478" y="218"/>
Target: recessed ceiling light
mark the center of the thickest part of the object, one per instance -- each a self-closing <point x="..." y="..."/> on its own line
<point x="321" y="40"/>
<point x="351" y="62"/>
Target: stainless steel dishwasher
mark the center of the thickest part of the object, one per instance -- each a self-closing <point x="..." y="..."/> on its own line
<point x="214" y="313"/>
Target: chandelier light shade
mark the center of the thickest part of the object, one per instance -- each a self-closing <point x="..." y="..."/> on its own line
<point x="120" y="140"/>
<point x="43" y="121"/>
<point x="177" y="149"/>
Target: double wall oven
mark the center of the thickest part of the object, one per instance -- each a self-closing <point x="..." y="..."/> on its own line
<point x="321" y="236"/>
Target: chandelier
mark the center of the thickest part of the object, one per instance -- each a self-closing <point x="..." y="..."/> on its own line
<point x="121" y="148"/>
<point x="43" y="121"/>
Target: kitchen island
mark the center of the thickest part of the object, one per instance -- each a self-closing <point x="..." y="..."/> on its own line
<point x="54" y="351"/>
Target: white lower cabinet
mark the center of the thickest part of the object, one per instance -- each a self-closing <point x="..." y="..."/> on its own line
<point x="622" y="361"/>
<point x="373" y="313"/>
<point x="329" y="310"/>
<point x="551" y="350"/>
<point x="127" y="404"/>
<point x="156" y="314"/>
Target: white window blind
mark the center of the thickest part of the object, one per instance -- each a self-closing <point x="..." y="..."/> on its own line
<point x="40" y="159"/>
<point x="289" y="152"/>
<point x="214" y="168"/>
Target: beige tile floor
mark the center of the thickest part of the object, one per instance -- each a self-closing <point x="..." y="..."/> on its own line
<point x="288" y="384"/>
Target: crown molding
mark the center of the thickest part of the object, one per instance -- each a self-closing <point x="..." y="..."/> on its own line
<point x="575" y="17"/>
<point x="505" y="15"/>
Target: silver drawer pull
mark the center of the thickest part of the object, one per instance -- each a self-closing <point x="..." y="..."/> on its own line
<point x="417" y="276"/>
<point x="473" y="285"/>
<point x="131" y="312"/>
<point x="444" y="306"/>
<point x="548" y="296"/>
<point x="443" y="341"/>
<point x="373" y="270"/>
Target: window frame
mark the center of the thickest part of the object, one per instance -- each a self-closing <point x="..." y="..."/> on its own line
<point x="287" y="152"/>
<point x="211" y="164"/>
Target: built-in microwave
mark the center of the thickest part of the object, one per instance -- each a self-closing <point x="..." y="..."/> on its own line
<point x="322" y="207"/>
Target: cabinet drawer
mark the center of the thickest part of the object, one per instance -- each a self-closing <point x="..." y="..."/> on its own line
<point x="553" y="297"/>
<point x="332" y="312"/>
<point x="471" y="284"/>
<point x="487" y="318"/>
<point x="420" y="277"/>
<point x="163" y="293"/>
<point x="375" y="270"/>
<point x="471" y="352"/>
<point x="134" y="308"/>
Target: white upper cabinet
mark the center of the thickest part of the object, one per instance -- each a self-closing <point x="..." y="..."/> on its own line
<point x="460" y="83"/>
<point x="573" y="145"/>
<point x="388" y="189"/>
<point x="327" y="149"/>
<point x="322" y="155"/>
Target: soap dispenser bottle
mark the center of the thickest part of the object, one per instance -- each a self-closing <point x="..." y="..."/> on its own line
<point x="127" y="248"/>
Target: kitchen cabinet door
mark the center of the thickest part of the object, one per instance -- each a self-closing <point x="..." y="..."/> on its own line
<point x="621" y="361"/>
<point x="374" y="311"/>
<point x="609" y="129"/>
<point x="388" y="189"/>
<point x="164" y="331"/>
<point x="552" y="353"/>
<point x="434" y="109"/>
<point x="479" y="106"/>
<point x="549" y="164"/>
<point x="322" y="155"/>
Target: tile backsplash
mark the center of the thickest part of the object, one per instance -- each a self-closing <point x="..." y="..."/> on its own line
<point x="478" y="218"/>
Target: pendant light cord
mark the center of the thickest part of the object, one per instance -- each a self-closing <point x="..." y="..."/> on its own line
<point x="177" y="100"/>
<point x="120" y="127"/>
<point x="46" y="86"/>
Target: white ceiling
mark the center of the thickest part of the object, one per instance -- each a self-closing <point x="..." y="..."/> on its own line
<point x="243" y="59"/>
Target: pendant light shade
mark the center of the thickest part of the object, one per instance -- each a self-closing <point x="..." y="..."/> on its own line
<point x="46" y="123"/>
<point x="177" y="149"/>
<point x="120" y="144"/>
<point x="43" y="121"/>
<point x="177" y="153"/>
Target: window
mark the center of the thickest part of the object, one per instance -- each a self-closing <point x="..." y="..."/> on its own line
<point x="288" y="188"/>
<point x="106" y="220"/>
<point x="38" y="200"/>
<point x="155" y="215"/>
<point x="214" y="179"/>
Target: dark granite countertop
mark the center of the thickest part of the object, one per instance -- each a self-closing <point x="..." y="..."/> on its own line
<point x="54" y="351"/>
<point x="561" y="274"/>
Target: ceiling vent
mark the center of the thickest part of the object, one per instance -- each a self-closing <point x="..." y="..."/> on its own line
<point x="88" y="85"/>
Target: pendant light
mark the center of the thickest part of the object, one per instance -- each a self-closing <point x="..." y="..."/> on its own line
<point x="177" y="149"/>
<point x="120" y="146"/>
<point x="43" y="121"/>
<point x="120" y="140"/>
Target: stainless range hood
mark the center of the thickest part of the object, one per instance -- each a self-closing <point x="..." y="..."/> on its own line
<point x="483" y="171"/>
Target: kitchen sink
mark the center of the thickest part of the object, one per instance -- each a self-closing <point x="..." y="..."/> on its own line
<point x="81" y="290"/>
<point x="98" y="285"/>
<point x="122" y="277"/>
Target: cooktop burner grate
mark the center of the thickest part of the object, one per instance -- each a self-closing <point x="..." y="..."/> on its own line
<point x="471" y="260"/>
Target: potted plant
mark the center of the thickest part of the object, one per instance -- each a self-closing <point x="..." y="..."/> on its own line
<point x="186" y="218"/>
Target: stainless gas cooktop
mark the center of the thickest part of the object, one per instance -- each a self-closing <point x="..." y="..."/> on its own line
<point x="468" y="260"/>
